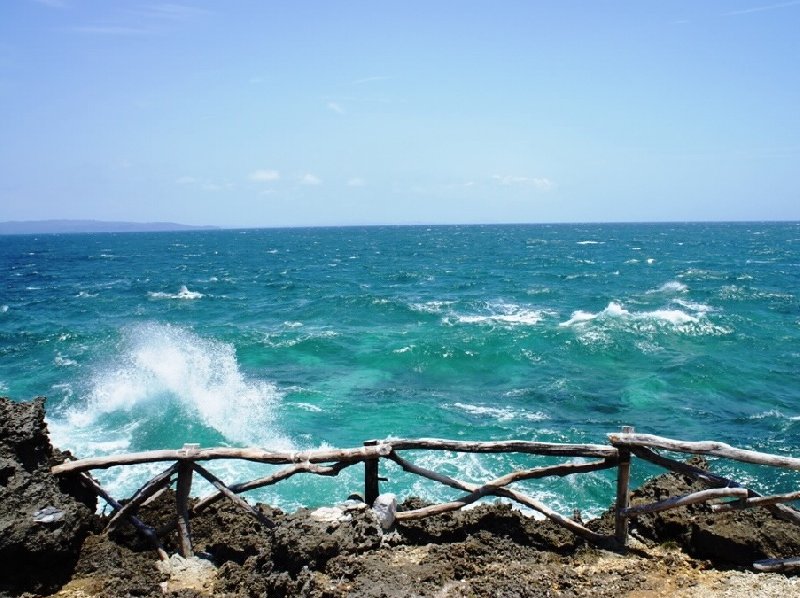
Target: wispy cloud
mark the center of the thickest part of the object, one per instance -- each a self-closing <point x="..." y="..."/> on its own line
<point x="337" y="108"/>
<point x="370" y="80"/>
<point x="539" y="183"/>
<point x="747" y="11"/>
<point x="264" y="175"/>
<point x="310" y="179"/>
<point x="143" y="20"/>
<point x="356" y="182"/>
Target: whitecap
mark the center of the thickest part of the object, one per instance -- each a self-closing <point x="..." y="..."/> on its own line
<point x="308" y="407"/>
<point x="183" y="293"/>
<point x="501" y="414"/>
<point x="673" y="286"/>
<point x="62" y="361"/>
<point x="590" y="243"/>
<point x="651" y="260"/>
<point x="513" y="317"/>
<point x="3" y="309"/>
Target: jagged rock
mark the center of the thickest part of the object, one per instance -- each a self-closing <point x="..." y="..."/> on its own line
<point x="43" y="520"/>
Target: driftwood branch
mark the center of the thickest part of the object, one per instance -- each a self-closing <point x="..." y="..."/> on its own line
<point x="771" y="565"/>
<point x="705" y="447"/>
<point x="756" y="501"/>
<point x="248" y="454"/>
<point x="681" y="501"/>
<point x="781" y="511"/>
<point x="507" y="446"/>
<point x="573" y="526"/>
<point x="144" y="529"/>
<point x="223" y="489"/>
<point x="182" y="491"/>
<point x="274" y="478"/>
<point x="490" y="487"/>
<point x="162" y="480"/>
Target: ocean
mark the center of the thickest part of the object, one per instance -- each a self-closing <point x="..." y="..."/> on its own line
<point x="327" y="337"/>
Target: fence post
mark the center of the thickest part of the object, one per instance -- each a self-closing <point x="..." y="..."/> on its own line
<point x="371" y="481"/>
<point x="182" y="491"/>
<point x="623" y="493"/>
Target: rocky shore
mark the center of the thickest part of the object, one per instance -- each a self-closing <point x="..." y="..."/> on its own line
<point x="52" y="543"/>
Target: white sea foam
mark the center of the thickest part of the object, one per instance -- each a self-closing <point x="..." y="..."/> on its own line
<point x="62" y="361"/>
<point x="502" y="413"/>
<point x="430" y="307"/>
<point x="590" y="243"/>
<point x="308" y="407"/>
<point x="672" y="286"/>
<point x="3" y="309"/>
<point x="159" y="364"/>
<point x="500" y="313"/>
<point x="615" y="310"/>
<point x="183" y="293"/>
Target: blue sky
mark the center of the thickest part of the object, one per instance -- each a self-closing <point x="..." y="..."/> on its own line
<point x="256" y="113"/>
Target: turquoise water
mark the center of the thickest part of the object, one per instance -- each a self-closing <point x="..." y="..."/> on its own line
<point x="302" y="338"/>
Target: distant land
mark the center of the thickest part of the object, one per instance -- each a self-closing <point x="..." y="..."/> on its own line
<point x="36" y="227"/>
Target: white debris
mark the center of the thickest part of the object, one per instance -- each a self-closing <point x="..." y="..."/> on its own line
<point x="385" y="508"/>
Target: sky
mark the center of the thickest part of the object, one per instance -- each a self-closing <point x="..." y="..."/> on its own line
<point x="250" y="113"/>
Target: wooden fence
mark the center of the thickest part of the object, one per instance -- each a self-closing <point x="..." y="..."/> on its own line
<point x="329" y="462"/>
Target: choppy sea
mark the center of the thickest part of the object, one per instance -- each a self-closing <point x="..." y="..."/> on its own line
<point x="326" y="337"/>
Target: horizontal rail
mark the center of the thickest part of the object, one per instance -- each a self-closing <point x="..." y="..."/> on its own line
<point x="682" y="501"/>
<point x="208" y="454"/>
<point x="705" y="447"/>
<point x="506" y="446"/>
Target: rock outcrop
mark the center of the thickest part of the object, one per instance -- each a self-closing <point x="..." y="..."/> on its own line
<point x="43" y="520"/>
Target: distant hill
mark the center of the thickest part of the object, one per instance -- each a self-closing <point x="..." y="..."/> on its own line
<point x="30" y="227"/>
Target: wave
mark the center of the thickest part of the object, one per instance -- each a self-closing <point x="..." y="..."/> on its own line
<point x="501" y="313"/>
<point x="676" y="318"/>
<point x="183" y="293"/>
<point x="162" y="369"/>
<point x="673" y="286"/>
<point x="3" y="309"/>
<point x="502" y="414"/>
<point x="590" y="243"/>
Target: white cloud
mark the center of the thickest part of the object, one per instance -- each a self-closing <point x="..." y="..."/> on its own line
<point x="310" y="179"/>
<point x="265" y="175"/>
<point x="370" y="80"/>
<point x="335" y="107"/>
<point x="747" y="11"/>
<point x="543" y="184"/>
<point x="540" y="183"/>
<point x="356" y="182"/>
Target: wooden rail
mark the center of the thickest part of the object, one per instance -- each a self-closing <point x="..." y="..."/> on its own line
<point x="330" y="462"/>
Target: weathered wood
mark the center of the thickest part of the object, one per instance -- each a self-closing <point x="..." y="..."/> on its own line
<point x="623" y="497"/>
<point x="208" y="454"/>
<point x="506" y="446"/>
<point x="573" y="526"/>
<point x="182" y="492"/>
<point x="271" y="479"/>
<point x="708" y="478"/>
<point x="221" y="487"/>
<point x="705" y="447"/>
<point x="371" y="474"/>
<point x="490" y="487"/>
<point x="144" y="529"/>
<point x="756" y="501"/>
<point x="681" y="501"/>
<point x="774" y="565"/>
<point x="781" y="511"/>
<point x="141" y="495"/>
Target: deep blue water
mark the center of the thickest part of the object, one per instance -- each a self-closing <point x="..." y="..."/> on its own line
<point x="302" y="338"/>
